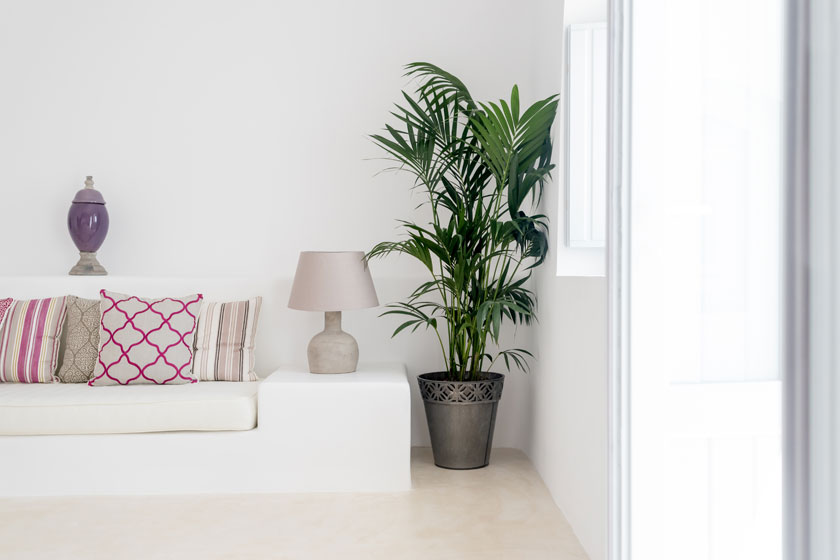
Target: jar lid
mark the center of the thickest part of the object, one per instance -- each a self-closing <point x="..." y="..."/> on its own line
<point x="88" y="194"/>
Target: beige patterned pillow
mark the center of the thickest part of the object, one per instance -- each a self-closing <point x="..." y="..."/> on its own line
<point x="82" y="344"/>
<point x="144" y="340"/>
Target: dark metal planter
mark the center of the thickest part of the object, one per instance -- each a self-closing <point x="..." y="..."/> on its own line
<point x="461" y="416"/>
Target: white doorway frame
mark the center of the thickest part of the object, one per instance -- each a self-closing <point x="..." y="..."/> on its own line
<point x="813" y="448"/>
<point x="618" y="276"/>
<point x="796" y="324"/>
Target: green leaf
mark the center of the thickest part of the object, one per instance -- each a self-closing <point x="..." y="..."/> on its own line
<point x="514" y="103"/>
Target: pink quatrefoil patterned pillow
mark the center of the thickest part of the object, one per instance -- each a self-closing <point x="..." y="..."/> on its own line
<point x="145" y="340"/>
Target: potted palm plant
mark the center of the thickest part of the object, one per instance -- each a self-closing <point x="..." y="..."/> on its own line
<point x="482" y="168"/>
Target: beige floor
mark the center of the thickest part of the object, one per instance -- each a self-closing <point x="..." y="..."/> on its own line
<point x="502" y="511"/>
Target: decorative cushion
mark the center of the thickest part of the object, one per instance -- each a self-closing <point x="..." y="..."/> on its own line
<point x="224" y="341"/>
<point x="73" y="408"/>
<point x="144" y="340"/>
<point x="29" y="340"/>
<point x="81" y="346"/>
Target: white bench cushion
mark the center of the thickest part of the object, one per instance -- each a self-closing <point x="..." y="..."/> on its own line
<point x="75" y="408"/>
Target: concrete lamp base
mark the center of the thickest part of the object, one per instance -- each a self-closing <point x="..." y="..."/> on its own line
<point x="332" y="350"/>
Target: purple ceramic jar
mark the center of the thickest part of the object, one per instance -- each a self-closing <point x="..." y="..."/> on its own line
<point x="88" y="225"/>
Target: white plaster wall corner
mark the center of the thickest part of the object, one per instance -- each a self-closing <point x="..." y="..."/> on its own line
<point x="568" y="386"/>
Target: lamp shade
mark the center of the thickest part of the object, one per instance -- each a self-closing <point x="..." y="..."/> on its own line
<point x="332" y="281"/>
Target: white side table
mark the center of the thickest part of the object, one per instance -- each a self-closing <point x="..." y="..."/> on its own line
<point x="348" y="432"/>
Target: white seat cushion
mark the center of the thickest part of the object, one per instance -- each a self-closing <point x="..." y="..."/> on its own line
<point x="75" y="408"/>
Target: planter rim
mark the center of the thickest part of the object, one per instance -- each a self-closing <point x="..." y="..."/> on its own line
<point x="490" y="376"/>
<point x="441" y="391"/>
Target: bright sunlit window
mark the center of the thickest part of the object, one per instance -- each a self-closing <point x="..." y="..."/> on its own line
<point x="706" y="421"/>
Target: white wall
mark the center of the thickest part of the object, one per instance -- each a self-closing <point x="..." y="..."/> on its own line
<point x="568" y="438"/>
<point x="226" y="136"/>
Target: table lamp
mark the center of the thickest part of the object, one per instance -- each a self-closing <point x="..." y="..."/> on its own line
<point x="332" y="282"/>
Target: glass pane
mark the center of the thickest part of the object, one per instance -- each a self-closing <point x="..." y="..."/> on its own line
<point x="705" y="279"/>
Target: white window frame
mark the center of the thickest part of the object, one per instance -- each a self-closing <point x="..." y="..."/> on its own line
<point x="585" y="106"/>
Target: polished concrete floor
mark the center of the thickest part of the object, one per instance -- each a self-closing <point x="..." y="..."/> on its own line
<point x="501" y="512"/>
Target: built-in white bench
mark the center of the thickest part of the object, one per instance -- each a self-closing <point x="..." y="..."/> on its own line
<point x="314" y="433"/>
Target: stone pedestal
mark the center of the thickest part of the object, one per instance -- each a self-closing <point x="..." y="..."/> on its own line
<point x="88" y="266"/>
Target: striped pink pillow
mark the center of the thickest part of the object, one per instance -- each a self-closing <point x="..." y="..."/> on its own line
<point x="29" y="340"/>
<point x="224" y="341"/>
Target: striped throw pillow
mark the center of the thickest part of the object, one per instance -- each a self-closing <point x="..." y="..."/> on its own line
<point x="224" y="341"/>
<point x="29" y="340"/>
